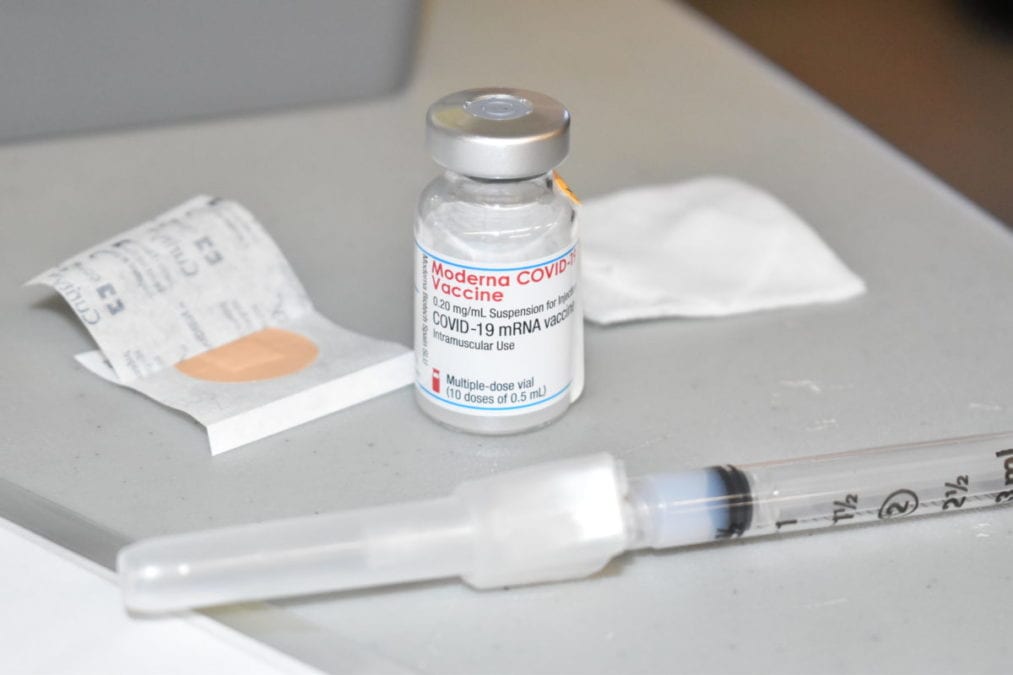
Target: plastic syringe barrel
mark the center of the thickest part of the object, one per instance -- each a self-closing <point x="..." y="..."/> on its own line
<point x="881" y="484"/>
<point x="558" y="520"/>
<point x="827" y="491"/>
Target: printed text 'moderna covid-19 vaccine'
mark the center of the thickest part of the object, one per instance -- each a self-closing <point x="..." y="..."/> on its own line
<point x="498" y="321"/>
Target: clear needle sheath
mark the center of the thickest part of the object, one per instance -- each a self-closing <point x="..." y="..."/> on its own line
<point x="561" y="520"/>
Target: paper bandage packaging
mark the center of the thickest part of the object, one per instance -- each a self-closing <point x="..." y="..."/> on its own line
<point x="199" y="310"/>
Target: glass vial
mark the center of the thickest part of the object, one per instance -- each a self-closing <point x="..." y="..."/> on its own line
<point x="498" y="320"/>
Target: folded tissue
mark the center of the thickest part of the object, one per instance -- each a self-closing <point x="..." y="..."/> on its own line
<point x="707" y="247"/>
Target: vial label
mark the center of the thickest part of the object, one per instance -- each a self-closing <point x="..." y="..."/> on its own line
<point x="495" y="339"/>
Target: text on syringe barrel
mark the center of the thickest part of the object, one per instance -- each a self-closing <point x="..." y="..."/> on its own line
<point x="828" y="491"/>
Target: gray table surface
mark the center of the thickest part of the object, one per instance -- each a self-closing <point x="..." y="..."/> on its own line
<point x="657" y="95"/>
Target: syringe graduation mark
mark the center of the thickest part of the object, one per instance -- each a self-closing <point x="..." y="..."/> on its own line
<point x="955" y="495"/>
<point x="1006" y="495"/>
<point x="959" y="486"/>
<point x="841" y="509"/>
<point x="871" y="512"/>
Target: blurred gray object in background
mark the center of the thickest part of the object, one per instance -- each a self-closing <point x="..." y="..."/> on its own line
<point x="98" y="64"/>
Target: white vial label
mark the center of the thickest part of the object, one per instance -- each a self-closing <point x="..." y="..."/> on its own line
<point x="495" y="339"/>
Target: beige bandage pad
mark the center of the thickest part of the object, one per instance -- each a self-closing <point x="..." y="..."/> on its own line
<point x="266" y="354"/>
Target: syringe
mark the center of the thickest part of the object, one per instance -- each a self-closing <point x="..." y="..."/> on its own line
<point x="562" y="520"/>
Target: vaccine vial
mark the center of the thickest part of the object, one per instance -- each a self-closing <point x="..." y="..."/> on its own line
<point x="498" y="320"/>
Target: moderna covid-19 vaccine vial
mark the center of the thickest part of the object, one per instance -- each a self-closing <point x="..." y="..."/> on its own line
<point x="498" y="321"/>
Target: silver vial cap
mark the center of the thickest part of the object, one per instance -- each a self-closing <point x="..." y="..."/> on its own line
<point x="498" y="132"/>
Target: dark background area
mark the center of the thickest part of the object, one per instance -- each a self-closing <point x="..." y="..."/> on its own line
<point x="932" y="77"/>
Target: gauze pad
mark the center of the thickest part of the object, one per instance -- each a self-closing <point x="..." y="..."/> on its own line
<point x="706" y="247"/>
<point x="199" y="310"/>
